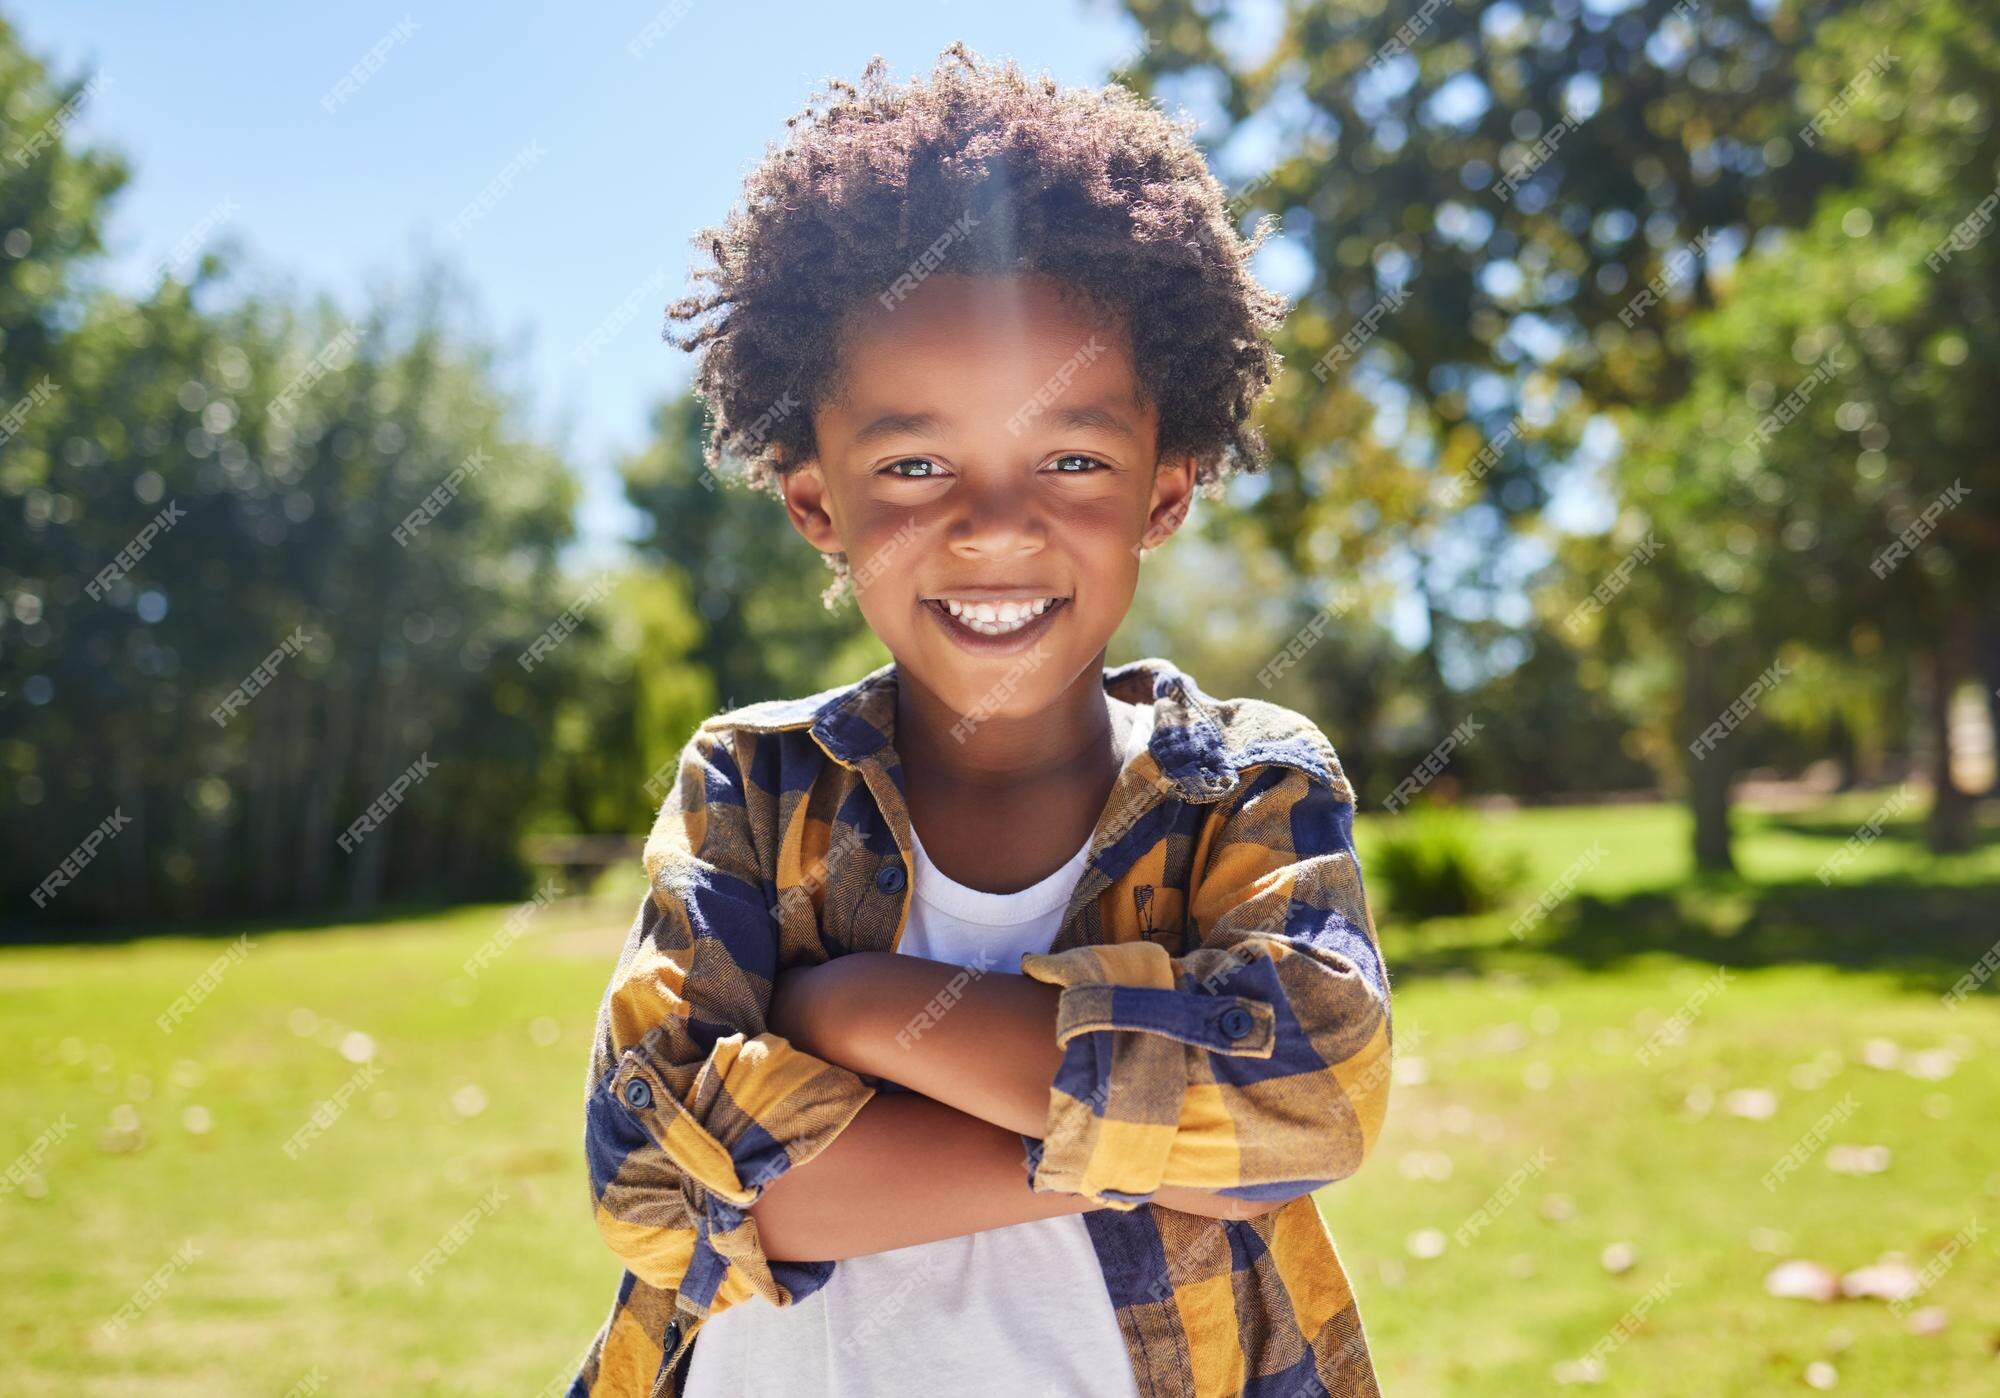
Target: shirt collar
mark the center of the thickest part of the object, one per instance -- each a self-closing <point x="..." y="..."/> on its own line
<point x="1202" y="744"/>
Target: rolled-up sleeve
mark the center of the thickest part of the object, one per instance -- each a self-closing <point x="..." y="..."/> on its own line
<point x="694" y="1108"/>
<point x="1255" y="1064"/>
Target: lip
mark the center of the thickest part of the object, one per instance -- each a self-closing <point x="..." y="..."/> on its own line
<point x="995" y="594"/>
<point x="1011" y="643"/>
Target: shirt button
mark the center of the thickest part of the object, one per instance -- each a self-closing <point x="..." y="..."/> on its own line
<point x="671" y="1336"/>
<point x="889" y="878"/>
<point x="639" y="1094"/>
<point x="1236" y="1022"/>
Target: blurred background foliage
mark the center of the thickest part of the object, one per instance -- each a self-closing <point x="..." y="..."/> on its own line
<point x="292" y="437"/>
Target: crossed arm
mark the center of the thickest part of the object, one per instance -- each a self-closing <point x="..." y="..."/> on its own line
<point x="979" y="1078"/>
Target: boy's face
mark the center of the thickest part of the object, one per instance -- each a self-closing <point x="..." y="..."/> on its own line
<point x="989" y="448"/>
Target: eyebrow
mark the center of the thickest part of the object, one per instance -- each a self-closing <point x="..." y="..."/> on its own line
<point x="1075" y="415"/>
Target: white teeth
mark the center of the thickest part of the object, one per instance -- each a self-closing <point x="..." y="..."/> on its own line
<point x="990" y="619"/>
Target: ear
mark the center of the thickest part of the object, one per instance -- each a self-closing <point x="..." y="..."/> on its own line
<point x="1172" y="500"/>
<point x="807" y="505"/>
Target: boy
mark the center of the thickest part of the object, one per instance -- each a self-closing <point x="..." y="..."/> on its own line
<point x="990" y="1019"/>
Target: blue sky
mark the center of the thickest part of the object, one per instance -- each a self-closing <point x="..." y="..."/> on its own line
<point x="339" y="191"/>
<point x="638" y="139"/>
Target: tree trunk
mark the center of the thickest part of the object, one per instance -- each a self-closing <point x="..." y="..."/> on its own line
<point x="1845" y="751"/>
<point x="1949" y="829"/>
<point x="1707" y="774"/>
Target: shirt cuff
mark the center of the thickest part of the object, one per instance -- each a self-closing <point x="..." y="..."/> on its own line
<point x="756" y="1108"/>
<point x="1128" y="1033"/>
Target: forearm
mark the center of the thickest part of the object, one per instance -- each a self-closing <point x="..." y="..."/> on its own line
<point x="983" y="1042"/>
<point x="906" y="1170"/>
<point x="985" y="1046"/>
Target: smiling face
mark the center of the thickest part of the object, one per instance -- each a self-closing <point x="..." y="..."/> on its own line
<point x="991" y="474"/>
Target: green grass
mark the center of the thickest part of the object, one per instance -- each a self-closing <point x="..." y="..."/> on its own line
<point x="1525" y="1047"/>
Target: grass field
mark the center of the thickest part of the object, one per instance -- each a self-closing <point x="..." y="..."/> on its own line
<point x="152" y="1172"/>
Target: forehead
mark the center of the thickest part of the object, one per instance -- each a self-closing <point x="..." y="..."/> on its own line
<point x="973" y="340"/>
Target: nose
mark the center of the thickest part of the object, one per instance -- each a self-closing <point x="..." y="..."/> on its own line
<point x="998" y="520"/>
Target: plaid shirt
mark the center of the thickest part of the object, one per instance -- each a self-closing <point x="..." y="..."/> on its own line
<point x="1224" y="1020"/>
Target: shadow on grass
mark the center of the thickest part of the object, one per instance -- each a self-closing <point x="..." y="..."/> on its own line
<point x="1926" y="935"/>
<point x="1906" y="831"/>
<point x="29" y="934"/>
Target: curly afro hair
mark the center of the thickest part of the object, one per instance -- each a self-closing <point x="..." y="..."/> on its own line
<point x="984" y="171"/>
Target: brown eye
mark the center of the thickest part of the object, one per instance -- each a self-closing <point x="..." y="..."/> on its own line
<point x="890" y="469"/>
<point x="1090" y="462"/>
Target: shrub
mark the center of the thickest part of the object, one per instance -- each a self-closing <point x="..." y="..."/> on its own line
<point x="1434" y="863"/>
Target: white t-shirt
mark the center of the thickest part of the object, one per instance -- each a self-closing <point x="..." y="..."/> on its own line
<point x="1017" y="1312"/>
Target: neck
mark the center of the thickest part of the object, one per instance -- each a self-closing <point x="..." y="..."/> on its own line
<point x="1071" y="735"/>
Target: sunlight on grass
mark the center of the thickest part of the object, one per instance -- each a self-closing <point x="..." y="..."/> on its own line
<point x="1517" y="1057"/>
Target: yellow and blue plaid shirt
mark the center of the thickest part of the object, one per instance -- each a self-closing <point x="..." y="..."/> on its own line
<point x="1224" y="1020"/>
